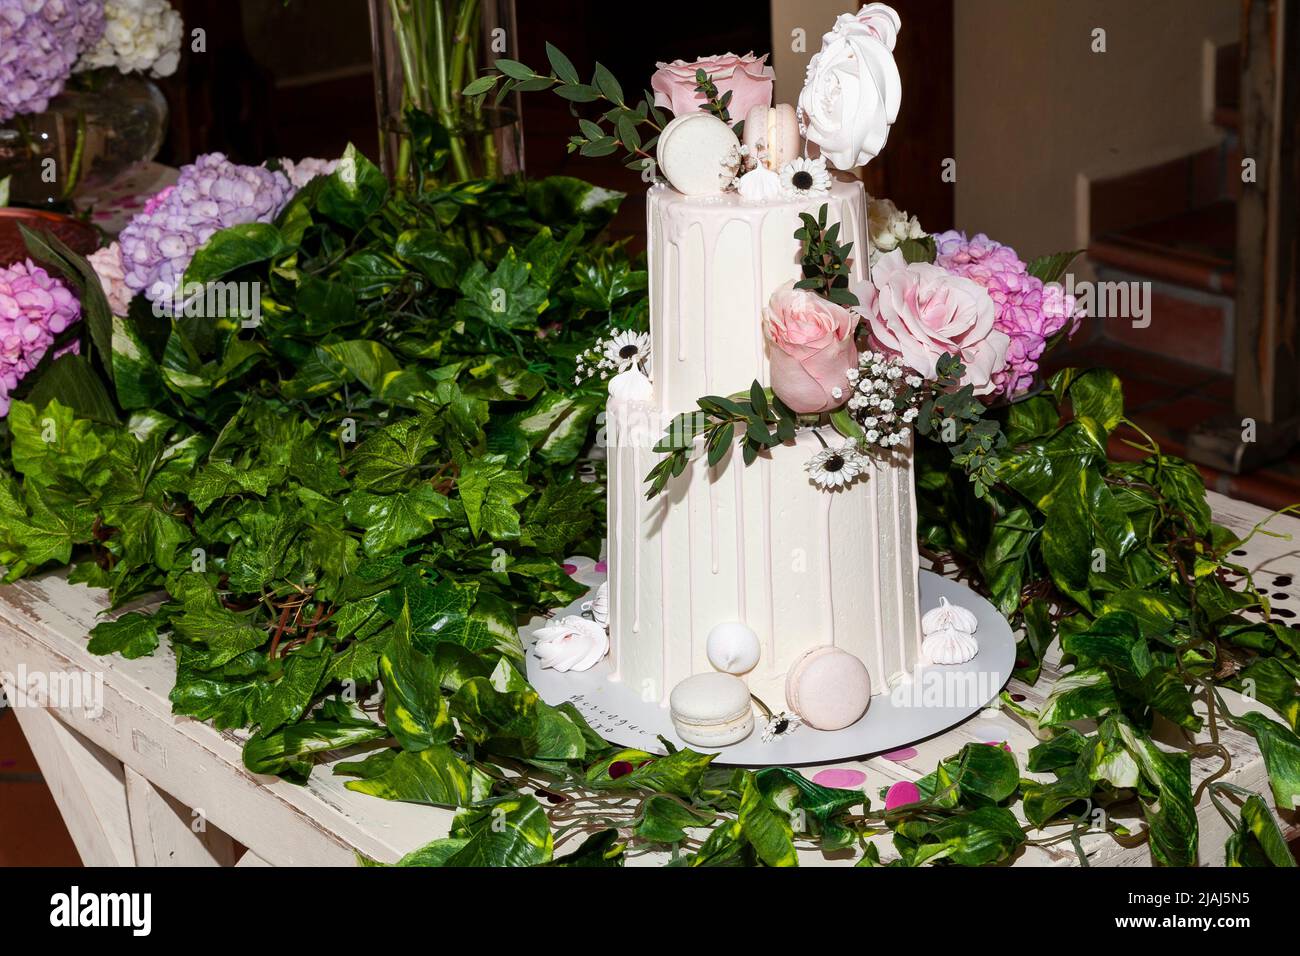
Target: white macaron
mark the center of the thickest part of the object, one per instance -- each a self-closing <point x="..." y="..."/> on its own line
<point x="712" y="710"/>
<point x="698" y="153"/>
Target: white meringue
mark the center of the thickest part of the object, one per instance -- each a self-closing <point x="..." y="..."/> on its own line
<point x="760" y="184"/>
<point x="853" y="89"/>
<point x="571" y="644"/>
<point x="599" y="605"/>
<point x="949" y="632"/>
<point x="949" y="615"/>
<point x="732" y="647"/>
<point x="950" y="647"/>
<point x="631" y="386"/>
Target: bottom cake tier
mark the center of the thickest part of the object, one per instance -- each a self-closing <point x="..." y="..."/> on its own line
<point x="760" y="545"/>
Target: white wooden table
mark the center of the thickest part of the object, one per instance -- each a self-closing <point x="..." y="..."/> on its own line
<point x="139" y="786"/>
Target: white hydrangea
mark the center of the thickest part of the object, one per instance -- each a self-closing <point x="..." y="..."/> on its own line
<point x="140" y="36"/>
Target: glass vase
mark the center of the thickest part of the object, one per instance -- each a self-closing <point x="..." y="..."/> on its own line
<point x="102" y="123"/>
<point x="425" y="53"/>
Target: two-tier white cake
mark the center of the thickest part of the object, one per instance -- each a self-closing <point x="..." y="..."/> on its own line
<point x="760" y="545"/>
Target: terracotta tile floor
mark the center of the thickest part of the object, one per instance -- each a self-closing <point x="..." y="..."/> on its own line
<point x="31" y="830"/>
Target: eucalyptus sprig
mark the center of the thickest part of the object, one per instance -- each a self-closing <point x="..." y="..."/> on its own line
<point x="825" y="259"/>
<point x="634" y="128"/>
<point x="766" y="421"/>
<point x="714" y="102"/>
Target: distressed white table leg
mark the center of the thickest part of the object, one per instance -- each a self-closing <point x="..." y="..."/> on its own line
<point x="88" y="787"/>
<point x="165" y="832"/>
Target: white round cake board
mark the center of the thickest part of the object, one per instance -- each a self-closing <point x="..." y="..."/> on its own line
<point x="938" y="696"/>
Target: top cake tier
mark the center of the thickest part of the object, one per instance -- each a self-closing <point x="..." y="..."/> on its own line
<point x="714" y="263"/>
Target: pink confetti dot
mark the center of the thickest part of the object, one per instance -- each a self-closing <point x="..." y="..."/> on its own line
<point x="840" y="778"/>
<point x="570" y="569"/>
<point x="901" y="794"/>
<point x="903" y="753"/>
<point x="602" y="567"/>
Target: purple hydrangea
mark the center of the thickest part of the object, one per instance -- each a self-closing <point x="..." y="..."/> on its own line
<point x="210" y="195"/>
<point x="34" y="308"/>
<point x="40" y="41"/>
<point x="1028" y="311"/>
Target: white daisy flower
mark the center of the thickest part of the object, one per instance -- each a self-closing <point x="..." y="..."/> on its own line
<point x="780" y="724"/>
<point x="803" y="177"/>
<point x="835" y="467"/>
<point x="627" y="349"/>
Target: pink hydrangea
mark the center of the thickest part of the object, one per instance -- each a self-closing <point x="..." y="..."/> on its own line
<point x="1028" y="311"/>
<point x="35" y="307"/>
<point x="107" y="263"/>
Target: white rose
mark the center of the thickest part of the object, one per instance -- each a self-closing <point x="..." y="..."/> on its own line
<point x="853" y="90"/>
<point x="888" y="225"/>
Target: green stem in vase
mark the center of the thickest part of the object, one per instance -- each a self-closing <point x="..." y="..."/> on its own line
<point x="405" y="28"/>
<point x="74" y="164"/>
<point x="442" y="90"/>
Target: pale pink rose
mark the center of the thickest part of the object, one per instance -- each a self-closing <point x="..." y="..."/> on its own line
<point x="811" y="349"/>
<point x="920" y="312"/>
<point x="107" y="263"/>
<point x="748" y="77"/>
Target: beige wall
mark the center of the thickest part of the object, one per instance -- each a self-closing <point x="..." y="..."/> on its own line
<point x="1038" y="114"/>
<point x="814" y="17"/>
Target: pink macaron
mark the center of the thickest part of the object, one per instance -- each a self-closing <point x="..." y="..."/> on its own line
<point x="773" y="134"/>
<point x="828" y="688"/>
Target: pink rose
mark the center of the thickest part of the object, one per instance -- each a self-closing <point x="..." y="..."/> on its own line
<point x="748" y="78"/>
<point x="921" y="311"/>
<point x="811" y="349"/>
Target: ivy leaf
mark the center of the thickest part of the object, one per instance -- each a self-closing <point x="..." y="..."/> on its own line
<point x="563" y="513"/>
<point x="1281" y="750"/>
<point x="291" y="695"/>
<point x="435" y="775"/>
<point x="1258" y="840"/>
<point x="976" y="838"/>
<point x="222" y="634"/>
<point x="678" y="773"/>
<point x="414" y="707"/>
<point x="1171" y="815"/>
<point x="394" y="520"/>
<point x="505" y="298"/>
<point x="489" y="491"/>
<point x="283" y="752"/>
<point x="221" y="479"/>
<point x="384" y="460"/>
<point x="131" y="635"/>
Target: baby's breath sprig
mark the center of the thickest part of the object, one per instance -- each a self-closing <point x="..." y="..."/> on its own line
<point x="889" y="399"/>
